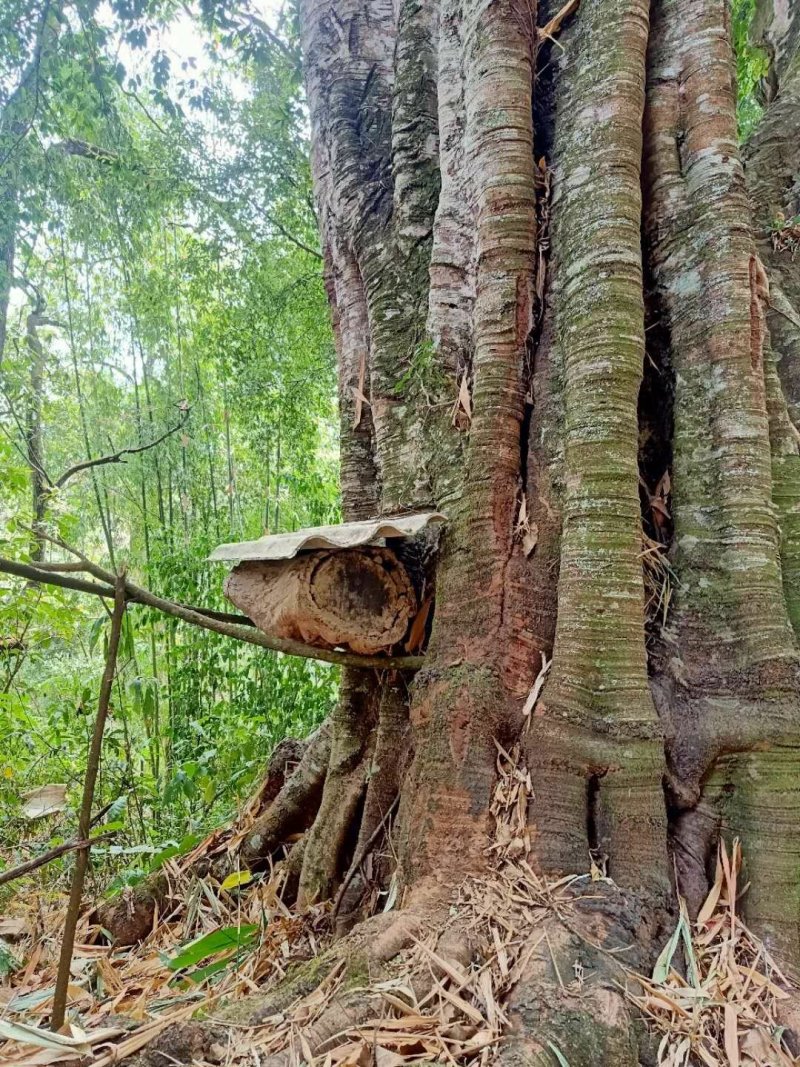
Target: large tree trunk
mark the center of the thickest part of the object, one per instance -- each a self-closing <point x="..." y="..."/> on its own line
<point x="445" y="321"/>
<point x="501" y="217"/>
<point x="482" y="228"/>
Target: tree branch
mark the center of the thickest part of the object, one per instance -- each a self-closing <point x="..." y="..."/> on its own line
<point x="47" y="857"/>
<point x="48" y="31"/>
<point x="237" y="627"/>
<point x="55" y="574"/>
<point x="291" y="237"/>
<point x="117" y="457"/>
<point x="73" y="147"/>
<point x="272" y="37"/>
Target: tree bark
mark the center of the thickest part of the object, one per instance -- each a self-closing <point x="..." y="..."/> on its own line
<point x="595" y="749"/>
<point x="728" y="680"/>
<point x="482" y="233"/>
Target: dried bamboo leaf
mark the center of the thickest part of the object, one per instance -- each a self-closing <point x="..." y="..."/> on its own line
<point x="711" y="901"/>
<point x="462" y="1005"/>
<point x="32" y="1035"/>
<point x="559" y="1055"/>
<point x="732" y="1035"/>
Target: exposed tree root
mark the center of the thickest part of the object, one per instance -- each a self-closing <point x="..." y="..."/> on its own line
<point x="509" y="964"/>
<point x="129" y="918"/>
<point x="371" y="868"/>
<point x="332" y="804"/>
<point x="352" y="743"/>
<point x="514" y="970"/>
<point x="285" y="802"/>
<point x="295" y="806"/>
<point x="511" y="968"/>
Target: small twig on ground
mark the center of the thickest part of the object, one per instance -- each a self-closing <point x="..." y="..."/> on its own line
<point x="85" y="814"/>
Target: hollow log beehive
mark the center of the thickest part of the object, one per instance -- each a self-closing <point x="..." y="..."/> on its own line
<point x="357" y="598"/>
<point x="330" y="587"/>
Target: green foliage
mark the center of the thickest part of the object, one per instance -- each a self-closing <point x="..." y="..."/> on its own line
<point x="9" y="962"/>
<point x="162" y="221"/>
<point x="752" y="65"/>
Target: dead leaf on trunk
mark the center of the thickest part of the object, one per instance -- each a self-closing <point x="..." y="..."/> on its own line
<point x="416" y="635"/>
<point x="361" y="400"/>
<point x="536" y="688"/>
<point x="554" y="25"/>
<point x="462" y="409"/>
<point x="358" y="391"/>
<point x="526" y="531"/>
<point x="658" y="501"/>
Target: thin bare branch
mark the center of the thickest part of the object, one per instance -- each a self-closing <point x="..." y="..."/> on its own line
<point x="85" y="814"/>
<point x="118" y="457"/>
<point x="47" y="857"/>
<point x="55" y="574"/>
<point x="291" y="237"/>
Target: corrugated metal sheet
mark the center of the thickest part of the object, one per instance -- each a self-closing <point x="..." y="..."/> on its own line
<point x="345" y="535"/>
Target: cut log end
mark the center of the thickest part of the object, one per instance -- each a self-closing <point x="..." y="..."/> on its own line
<point x="360" y="599"/>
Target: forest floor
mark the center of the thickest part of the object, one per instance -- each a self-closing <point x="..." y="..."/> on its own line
<point x="271" y="986"/>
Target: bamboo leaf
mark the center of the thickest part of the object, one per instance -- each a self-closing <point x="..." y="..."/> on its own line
<point x="200" y="974"/>
<point x="237" y="879"/>
<point x="212" y="944"/>
<point x="732" y="1035"/>
<point x="664" y="961"/>
<point x="32" y="1035"/>
<point x="686" y="934"/>
<point x="712" y="899"/>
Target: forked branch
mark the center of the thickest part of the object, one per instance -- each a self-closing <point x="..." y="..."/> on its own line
<point x="119" y="457"/>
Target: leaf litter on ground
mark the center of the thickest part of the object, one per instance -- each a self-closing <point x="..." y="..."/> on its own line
<point x="712" y="998"/>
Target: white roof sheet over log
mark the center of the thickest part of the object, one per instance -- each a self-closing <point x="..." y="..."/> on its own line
<point x="345" y="535"/>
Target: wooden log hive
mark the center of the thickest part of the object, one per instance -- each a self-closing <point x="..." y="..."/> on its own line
<point x="361" y="598"/>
